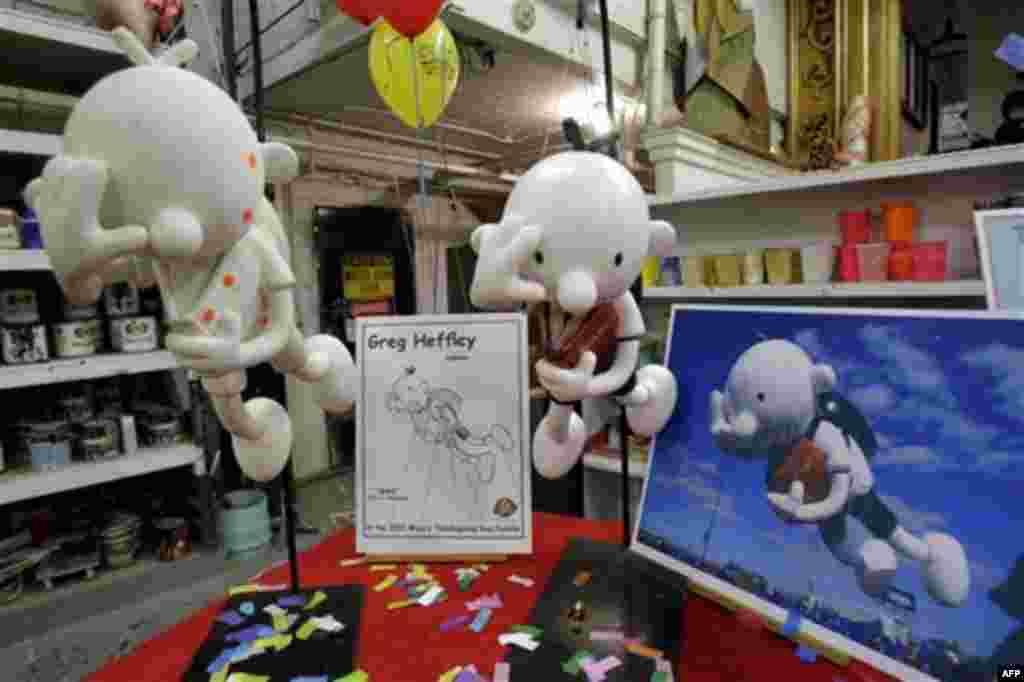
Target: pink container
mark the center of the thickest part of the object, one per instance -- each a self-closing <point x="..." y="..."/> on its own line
<point x="873" y="261"/>
<point x="930" y="261"/>
<point x="855" y="226"/>
<point x="849" y="271"/>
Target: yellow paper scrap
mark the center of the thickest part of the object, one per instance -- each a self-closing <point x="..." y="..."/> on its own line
<point x="482" y="567"/>
<point x="355" y="676"/>
<point x="243" y="589"/>
<point x="383" y="567"/>
<point x="307" y="629"/>
<point x="418" y="568"/>
<point x="315" y="601"/>
<point x="248" y="677"/>
<point x="277" y="642"/>
<point x="400" y="604"/>
<point x="450" y="675"/>
<point x="221" y="675"/>
<point x="281" y="622"/>
<point x="354" y="562"/>
<point x="386" y="583"/>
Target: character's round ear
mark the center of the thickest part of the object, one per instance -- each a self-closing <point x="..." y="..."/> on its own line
<point x="281" y="161"/>
<point x="824" y="378"/>
<point x="662" y="239"/>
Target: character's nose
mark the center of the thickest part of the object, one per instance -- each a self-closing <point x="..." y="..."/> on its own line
<point x="577" y="292"/>
<point x="745" y="425"/>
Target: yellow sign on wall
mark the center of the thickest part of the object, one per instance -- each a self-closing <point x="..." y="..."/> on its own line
<point x="368" y="277"/>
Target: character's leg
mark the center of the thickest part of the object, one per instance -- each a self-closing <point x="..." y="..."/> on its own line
<point x="874" y="560"/>
<point x="650" y="403"/>
<point x="261" y="431"/>
<point x="558" y="441"/>
<point x="323" y="361"/>
<point x="942" y="557"/>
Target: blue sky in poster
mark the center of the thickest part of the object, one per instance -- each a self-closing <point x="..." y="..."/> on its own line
<point x="946" y="399"/>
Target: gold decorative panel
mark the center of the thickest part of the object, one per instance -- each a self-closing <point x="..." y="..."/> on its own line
<point x="812" y="82"/>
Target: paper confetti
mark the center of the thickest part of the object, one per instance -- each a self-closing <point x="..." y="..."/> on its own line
<point x="483" y="616"/>
<point x="315" y="601"/>
<point x="806" y="654"/>
<point x="386" y="583"/>
<point x="502" y="672"/>
<point x="606" y="664"/>
<point x="659" y="676"/>
<point x="431" y="595"/>
<point x="245" y="589"/>
<point x="572" y="666"/>
<point x="519" y="580"/>
<point x="329" y="624"/>
<point x="275" y="642"/>
<point x="519" y="639"/>
<point x="418" y="568"/>
<point x="247" y="677"/>
<point x="450" y="675"/>
<point x="531" y="630"/>
<point x="663" y="665"/>
<point x="383" y="567"/>
<point x="247" y="608"/>
<point x="222" y="661"/>
<point x="606" y="636"/>
<point x="488" y="601"/>
<point x="220" y="676"/>
<point x="291" y="600"/>
<point x="402" y="604"/>
<point x="1012" y="51"/>
<point x="639" y="649"/>
<point x="469" y="674"/>
<point x="581" y="579"/>
<point x="307" y="629"/>
<point x="355" y="676"/>
<point x="792" y="625"/>
<point x="230" y="618"/>
<point x="249" y="634"/>
<point x="353" y="562"/>
<point x="452" y="623"/>
<point x="482" y="567"/>
<point x="322" y="678"/>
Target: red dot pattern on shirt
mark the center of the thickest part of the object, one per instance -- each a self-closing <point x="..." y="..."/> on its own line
<point x="209" y="315"/>
<point x="230" y="280"/>
<point x="251" y="158"/>
<point x="247" y="216"/>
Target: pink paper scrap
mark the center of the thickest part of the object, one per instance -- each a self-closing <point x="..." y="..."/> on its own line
<point x="606" y="636"/>
<point x="488" y="601"/>
<point x="663" y="666"/>
<point x="455" y="622"/>
<point x="502" y="672"/>
<point x="607" y="664"/>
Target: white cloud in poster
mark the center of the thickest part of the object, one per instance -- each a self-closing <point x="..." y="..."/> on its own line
<point x="1001" y="463"/>
<point x="1004" y="364"/>
<point x="913" y="519"/>
<point x="873" y="399"/>
<point x="907" y="365"/>
<point x="920" y="457"/>
<point x="811" y="341"/>
<point x="705" y="492"/>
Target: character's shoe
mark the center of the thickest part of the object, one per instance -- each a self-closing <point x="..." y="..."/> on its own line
<point x="262" y="460"/>
<point x="878" y="565"/>
<point x="946" y="573"/>
<point x="553" y="458"/>
<point x="336" y="389"/>
<point x="650" y="416"/>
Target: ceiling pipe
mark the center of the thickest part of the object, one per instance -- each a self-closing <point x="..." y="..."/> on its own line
<point x="303" y="119"/>
<point x="450" y="169"/>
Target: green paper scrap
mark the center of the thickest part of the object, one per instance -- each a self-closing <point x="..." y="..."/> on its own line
<point x="355" y="676"/>
<point x="307" y="629"/>
<point x="243" y="589"/>
<point x="659" y="676"/>
<point x="572" y="666"/>
<point x="281" y="623"/>
<point x="221" y="675"/>
<point x="248" y="677"/>
<point x="277" y="642"/>
<point x="531" y="630"/>
<point x="315" y="601"/>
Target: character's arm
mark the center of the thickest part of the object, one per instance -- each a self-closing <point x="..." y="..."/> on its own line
<point x="631" y="330"/>
<point x="498" y="280"/>
<point x="278" y="280"/>
<point x="831" y="440"/>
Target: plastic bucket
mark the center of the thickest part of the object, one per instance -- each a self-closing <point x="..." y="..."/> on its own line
<point x="245" y="522"/>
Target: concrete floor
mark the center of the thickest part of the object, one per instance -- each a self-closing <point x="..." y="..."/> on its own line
<point x="64" y="635"/>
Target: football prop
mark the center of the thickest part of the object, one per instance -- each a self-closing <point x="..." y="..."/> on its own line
<point x="806" y="462"/>
<point x="595" y="333"/>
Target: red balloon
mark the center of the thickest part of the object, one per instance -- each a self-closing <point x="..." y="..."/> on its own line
<point x="364" y="11"/>
<point x="411" y="17"/>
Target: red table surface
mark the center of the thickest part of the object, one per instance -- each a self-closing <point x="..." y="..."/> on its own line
<point x="406" y="645"/>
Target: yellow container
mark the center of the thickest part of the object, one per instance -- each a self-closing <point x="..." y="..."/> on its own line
<point x="727" y="270"/>
<point x="649" y="269"/>
<point x="695" y="272"/>
<point x="782" y="266"/>
<point x="753" y="267"/>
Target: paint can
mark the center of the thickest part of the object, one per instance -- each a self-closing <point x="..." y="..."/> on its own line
<point x="23" y="344"/>
<point x="133" y="334"/>
<point x="19" y="307"/>
<point x="76" y="339"/>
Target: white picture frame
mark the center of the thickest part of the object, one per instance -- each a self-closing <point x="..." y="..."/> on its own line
<point x="443" y="461"/>
<point x="1000" y="236"/>
<point x="672" y="526"/>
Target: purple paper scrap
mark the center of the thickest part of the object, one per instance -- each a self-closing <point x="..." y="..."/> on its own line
<point x="321" y="678"/>
<point x="467" y="676"/>
<point x="230" y="618"/>
<point x="293" y="600"/>
<point x="250" y="634"/>
<point x="225" y="659"/>
<point x="483" y="616"/>
<point x="453" y="623"/>
<point x="1012" y="51"/>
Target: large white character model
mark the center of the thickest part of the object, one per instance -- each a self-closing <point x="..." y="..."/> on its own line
<point x="573" y="235"/>
<point x="161" y="180"/>
<point x="778" y="405"/>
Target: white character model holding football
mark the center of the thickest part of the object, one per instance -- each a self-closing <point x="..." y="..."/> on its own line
<point x="572" y="238"/>
<point x="781" y="407"/>
<point x="161" y="179"/>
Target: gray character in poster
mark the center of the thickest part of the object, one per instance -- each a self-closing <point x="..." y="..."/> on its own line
<point x="436" y="415"/>
<point x="781" y="407"/>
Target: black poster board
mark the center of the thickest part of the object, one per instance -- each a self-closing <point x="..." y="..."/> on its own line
<point x="330" y="654"/>
<point x="624" y="592"/>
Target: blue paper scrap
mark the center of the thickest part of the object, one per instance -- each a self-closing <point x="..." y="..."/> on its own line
<point x="293" y="600"/>
<point x="792" y="624"/>
<point x="251" y="634"/>
<point x="322" y="678"/>
<point x="230" y="618"/>
<point x="1012" y="51"/>
<point x="806" y="654"/>
<point x="483" y="616"/>
<point x="226" y="658"/>
<point x="248" y="608"/>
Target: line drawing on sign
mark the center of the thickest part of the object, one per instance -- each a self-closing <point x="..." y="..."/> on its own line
<point x="472" y="454"/>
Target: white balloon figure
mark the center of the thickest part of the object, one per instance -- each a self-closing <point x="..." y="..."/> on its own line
<point x="161" y="179"/>
<point x="574" y="234"/>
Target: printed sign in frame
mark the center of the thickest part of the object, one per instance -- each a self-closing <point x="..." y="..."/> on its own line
<point x="442" y="435"/>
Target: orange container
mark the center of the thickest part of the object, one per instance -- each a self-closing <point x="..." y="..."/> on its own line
<point x="900" y="223"/>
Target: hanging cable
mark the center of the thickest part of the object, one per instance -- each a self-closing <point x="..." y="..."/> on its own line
<point x="257" y="68"/>
<point x="227" y="37"/>
<point x="609" y="89"/>
<point x="281" y="17"/>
